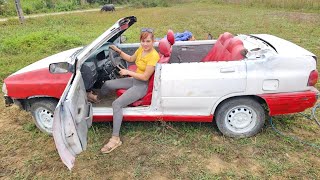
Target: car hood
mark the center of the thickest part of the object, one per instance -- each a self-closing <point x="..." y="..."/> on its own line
<point x="282" y="46"/>
<point x="44" y="63"/>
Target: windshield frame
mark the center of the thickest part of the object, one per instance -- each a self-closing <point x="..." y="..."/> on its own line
<point x="110" y="35"/>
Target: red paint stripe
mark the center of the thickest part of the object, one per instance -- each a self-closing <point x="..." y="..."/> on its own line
<point x="286" y="103"/>
<point x="36" y="83"/>
<point x="172" y="118"/>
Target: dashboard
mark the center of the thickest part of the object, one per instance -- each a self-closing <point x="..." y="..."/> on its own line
<point x="98" y="68"/>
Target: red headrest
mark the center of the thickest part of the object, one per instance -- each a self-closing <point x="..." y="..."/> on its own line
<point x="233" y="43"/>
<point x="223" y="37"/>
<point x="164" y="47"/>
<point x="170" y="36"/>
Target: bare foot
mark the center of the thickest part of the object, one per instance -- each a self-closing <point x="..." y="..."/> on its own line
<point x="92" y="97"/>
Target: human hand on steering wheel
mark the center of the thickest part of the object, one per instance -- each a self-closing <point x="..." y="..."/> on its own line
<point x="122" y="71"/>
<point x="115" y="48"/>
<point x="114" y="60"/>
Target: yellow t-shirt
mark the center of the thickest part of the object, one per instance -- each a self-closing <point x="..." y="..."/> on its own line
<point x="149" y="59"/>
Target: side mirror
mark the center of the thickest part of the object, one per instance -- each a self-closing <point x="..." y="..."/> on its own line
<point x="123" y="38"/>
<point x="60" y="68"/>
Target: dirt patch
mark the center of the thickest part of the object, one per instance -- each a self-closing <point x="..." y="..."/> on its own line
<point x="247" y="164"/>
<point x="159" y="176"/>
<point x="294" y="158"/>
<point x="315" y="161"/>
<point x="12" y="115"/>
<point x="216" y="164"/>
<point x="242" y="162"/>
<point x="297" y="167"/>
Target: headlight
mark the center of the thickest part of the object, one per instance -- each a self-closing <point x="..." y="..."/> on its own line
<point x="4" y="89"/>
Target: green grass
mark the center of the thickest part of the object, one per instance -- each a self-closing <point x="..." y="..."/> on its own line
<point x="155" y="150"/>
<point x="313" y="5"/>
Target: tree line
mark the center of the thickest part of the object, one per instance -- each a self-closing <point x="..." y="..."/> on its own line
<point x="7" y="7"/>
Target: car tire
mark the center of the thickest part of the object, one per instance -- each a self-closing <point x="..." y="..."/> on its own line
<point x="42" y="112"/>
<point x="240" y="117"/>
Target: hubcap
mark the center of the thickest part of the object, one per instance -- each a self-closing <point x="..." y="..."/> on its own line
<point x="44" y="118"/>
<point x="241" y="119"/>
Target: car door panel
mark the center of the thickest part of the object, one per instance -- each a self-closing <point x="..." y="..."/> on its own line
<point x="193" y="88"/>
<point x="79" y="110"/>
<point x="73" y="117"/>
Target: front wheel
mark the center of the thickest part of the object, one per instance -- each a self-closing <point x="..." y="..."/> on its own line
<point x="240" y="117"/>
<point x="42" y="112"/>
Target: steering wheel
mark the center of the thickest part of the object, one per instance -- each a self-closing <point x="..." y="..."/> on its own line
<point x="115" y="61"/>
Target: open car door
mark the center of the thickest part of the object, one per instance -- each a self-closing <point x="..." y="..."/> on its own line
<point x="73" y="114"/>
<point x="72" y="118"/>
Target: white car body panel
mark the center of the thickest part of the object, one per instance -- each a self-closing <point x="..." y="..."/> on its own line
<point x="274" y="74"/>
<point x="169" y="99"/>
<point x="284" y="47"/>
<point x="271" y="72"/>
<point x="44" y="63"/>
<point x="183" y="92"/>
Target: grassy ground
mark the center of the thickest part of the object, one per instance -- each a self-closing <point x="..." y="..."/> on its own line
<point x="157" y="150"/>
<point x="313" y="5"/>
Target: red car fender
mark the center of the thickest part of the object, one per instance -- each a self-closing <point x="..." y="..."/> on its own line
<point x="39" y="82"/>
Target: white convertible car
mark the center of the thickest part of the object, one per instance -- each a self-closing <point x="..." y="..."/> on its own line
<point x="235" y="80"/>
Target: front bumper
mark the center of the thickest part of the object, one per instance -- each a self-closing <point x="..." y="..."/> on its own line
<point x="8" y="100"/>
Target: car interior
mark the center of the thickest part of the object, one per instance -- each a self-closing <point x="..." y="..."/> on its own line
<point x="164" y="49"/>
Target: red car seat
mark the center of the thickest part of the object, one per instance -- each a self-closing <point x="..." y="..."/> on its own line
<point x="227" y="48"/>
<point x="165" y="53"/>
<point x="235" y="50"/>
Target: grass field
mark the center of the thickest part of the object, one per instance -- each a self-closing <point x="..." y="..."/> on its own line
<point x="285" y="4"/>
<point x="157" y="150"/>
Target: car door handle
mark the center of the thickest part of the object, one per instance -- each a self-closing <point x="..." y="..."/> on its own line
<point x="227" y="70"/>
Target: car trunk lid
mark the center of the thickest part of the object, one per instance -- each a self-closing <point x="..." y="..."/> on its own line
<point x="282" y="46"/>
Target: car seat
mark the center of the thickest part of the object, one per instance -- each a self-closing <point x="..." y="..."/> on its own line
<point x="165" y="53"/>
<point x="227" y="48"/>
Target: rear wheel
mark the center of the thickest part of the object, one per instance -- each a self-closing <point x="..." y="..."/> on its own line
<point x="240" y="117"/>
<point x="42" y="112"/>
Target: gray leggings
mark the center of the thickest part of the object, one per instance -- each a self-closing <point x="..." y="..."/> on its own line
<point x="136" y="89"/>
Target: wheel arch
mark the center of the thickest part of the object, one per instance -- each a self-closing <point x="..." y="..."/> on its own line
<point x="256" y="98"/>
<point x="26" y="103"/>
